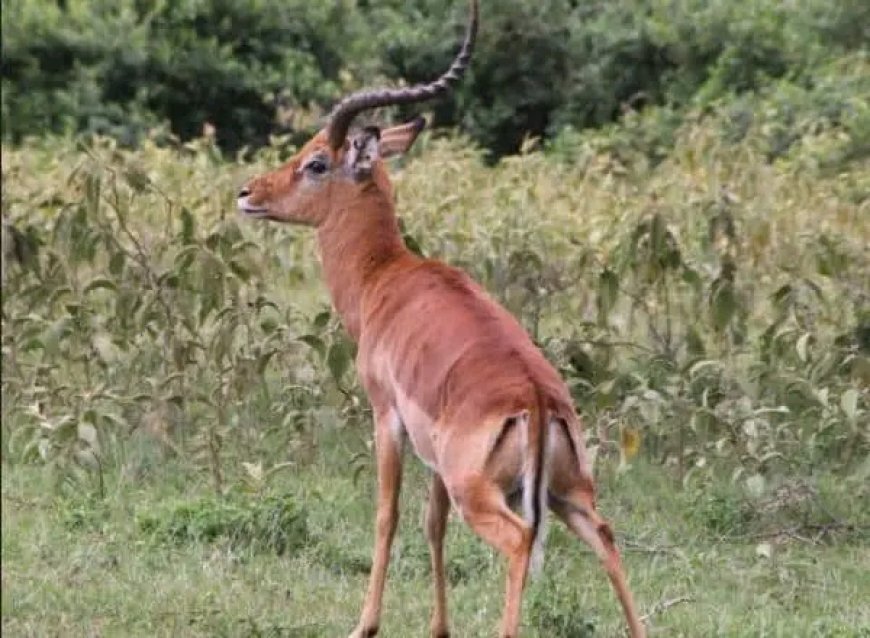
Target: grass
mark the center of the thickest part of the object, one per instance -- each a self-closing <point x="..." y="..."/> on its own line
<point x="75" y="566"/>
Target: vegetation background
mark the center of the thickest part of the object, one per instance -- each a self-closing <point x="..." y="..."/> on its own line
<point x="672" y="195"/>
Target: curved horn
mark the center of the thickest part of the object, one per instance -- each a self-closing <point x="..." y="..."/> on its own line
<point x="343" y="114"/>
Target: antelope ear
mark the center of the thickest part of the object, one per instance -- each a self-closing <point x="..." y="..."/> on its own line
<point x="397" y="140"/>
<point x="363" y="151"/>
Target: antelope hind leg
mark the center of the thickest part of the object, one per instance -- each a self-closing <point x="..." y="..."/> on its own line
<point x="577" y="512"/>
<point x="482" y="505"/>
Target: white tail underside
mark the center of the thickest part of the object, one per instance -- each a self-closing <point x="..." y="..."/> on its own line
<point x="536" y="561"/>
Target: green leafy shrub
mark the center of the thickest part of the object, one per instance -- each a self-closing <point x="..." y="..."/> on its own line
<point x="247" y="68"/>
<point x="708" y="310"/>
<point x="521" y="65"/>
<point x="552" y="609"/>
<point x="252" y="68"/>
<point x="267" y="524"/>
<point x="721" y="511"/>
<point x="124" y="326"/>
<point x="342" y="562"/>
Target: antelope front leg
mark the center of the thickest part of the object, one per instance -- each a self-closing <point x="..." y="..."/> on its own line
<point x="436" y="525"/>
<point x="388" y="448"/>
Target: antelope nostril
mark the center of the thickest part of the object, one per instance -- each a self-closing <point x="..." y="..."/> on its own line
<point x="244" y="192"/>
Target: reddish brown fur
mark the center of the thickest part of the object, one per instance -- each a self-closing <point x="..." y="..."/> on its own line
<point x="437" y="354"/>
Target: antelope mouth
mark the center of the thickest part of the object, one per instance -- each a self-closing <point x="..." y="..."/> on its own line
<point x="251" y="211"/>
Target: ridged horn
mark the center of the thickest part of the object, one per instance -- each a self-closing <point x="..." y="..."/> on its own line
<point x="346" y="110"/>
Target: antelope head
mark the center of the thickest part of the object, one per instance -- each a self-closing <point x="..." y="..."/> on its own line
<point x="337" y="163"/>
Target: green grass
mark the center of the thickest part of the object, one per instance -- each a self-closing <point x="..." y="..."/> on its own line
<point x="79" y="566"/>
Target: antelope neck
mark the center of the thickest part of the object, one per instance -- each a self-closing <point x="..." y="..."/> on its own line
<point x="356" y="242"/>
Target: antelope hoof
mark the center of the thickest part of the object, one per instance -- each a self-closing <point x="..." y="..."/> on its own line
<point x="364" y="632"/>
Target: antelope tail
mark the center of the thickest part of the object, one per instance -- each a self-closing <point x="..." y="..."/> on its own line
<point x="535" y="482"/>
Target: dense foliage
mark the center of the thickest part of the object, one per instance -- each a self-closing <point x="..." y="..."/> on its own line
<point x="254" y="67"/>
<point x="710" y="308"/>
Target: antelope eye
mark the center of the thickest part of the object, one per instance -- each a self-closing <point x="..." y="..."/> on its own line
<point x="317" y="166"/>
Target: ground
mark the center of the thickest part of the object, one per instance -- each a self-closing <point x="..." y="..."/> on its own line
<point x="77" y="565"/>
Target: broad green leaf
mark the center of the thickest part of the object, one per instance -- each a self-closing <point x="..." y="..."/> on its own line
<point x="87" y="458"/>
<point x="849" y="403"/>
<point x="703" y="365"/>
<point x="187" y="226"/>
<point x="45" y="448"/>
<point x="801" y="346"/>
<point x="240" y="268"/>
<point x="98" y="283"/>
<point x="116" y="262"/>
<point x="263" y="360"/>
<point x="137" y="179"/>
<point x="750" y="428"/>
<point x="254" y="470"/>
<point x="88" y="434"/>
<point x="54" y="334"/>
<point x="322" y="319"/>
<point x="724" y="306"/>
<point x="105" y="348"/>
<point x="755" y="485"/>
<point x="694" y="342"/>
<point x="339" y="358"/>
<point x="691" y="277"/>
<point x="764" y="550"/>
<point x="222" y="345"/>
<point x="412" y="244"/>
<point x="783" y="298"/>
<point x="608" y="289"/>
<point x="316" y="343"/>
<point x="92" y="193"/>
<point x="34" y="343"/>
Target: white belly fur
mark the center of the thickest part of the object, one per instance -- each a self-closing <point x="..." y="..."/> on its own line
<point x="419" y="427"/>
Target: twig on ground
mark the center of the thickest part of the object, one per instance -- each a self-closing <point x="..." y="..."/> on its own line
<point x="819" y="531"/>
<point x="634" y="546"/>
<point x="793" y="534"/>
<point x="665" y="605"/>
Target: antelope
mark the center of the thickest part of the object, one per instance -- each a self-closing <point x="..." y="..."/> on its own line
<point x="444" y="365"/>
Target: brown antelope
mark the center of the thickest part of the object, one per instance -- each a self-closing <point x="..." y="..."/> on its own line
<point x="442" y="363"/>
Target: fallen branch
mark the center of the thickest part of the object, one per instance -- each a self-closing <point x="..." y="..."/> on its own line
<point x="634" y="546"/>
<point x="818" y="530"/>
<point x="665" y="605"/>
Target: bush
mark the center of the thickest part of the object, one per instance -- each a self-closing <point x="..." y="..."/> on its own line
<point x="98" y="294"/>
<point x="710" y="309"/>
<point x="255" y="67"/>
<point x="121" y="67"/>
<point x="268" y="524"/>
<point x="553" y="611"/>
<point x="540" y="67"/>
<point x="517" y="80"/>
